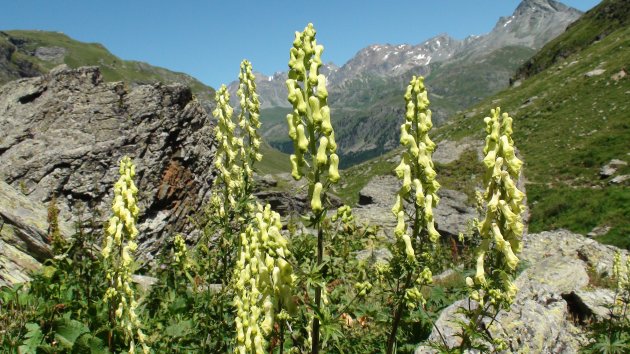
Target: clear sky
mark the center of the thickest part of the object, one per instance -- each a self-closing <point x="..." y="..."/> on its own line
<point x="208" y="39"/>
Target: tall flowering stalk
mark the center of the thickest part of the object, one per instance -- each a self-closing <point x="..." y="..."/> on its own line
<point x="238" y="150"/>
<point x="313" y="137"/>
<point x="249" y="123"/>
<point x="264" y="280"/>
<point x="415" y="230"/>
<point x="118" y="253"/>
<point x="501" y="229"/>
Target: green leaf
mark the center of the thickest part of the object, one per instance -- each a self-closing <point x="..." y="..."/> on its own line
<point x="48" y="271"/>
<point x="88" y="344"/>
<point x="67" y="331"/>
<point x="179" y="329"/>
<point x="34" y="337"/>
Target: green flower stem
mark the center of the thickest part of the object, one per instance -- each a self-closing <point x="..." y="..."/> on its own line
<point x="309" y="124"/>
<point x="419" y="188"/>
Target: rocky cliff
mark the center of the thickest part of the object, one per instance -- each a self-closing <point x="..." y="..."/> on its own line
<point x="63" y="134"/>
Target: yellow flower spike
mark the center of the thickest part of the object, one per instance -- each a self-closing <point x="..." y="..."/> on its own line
<point x="121" y="231"/>
<point x="322" y="158"/>
<point x="398" y="206"/>
<point x="302" y="141"/>
<point x="501" y="230"/>
<point x="322" y="92"/>
<point x="408" y="248"/>
<point x="511" y="218"/>
<point x="419" y="192"/>
<point x="400" y="226"/>
<point x="406" y="186"/>
<point x="434" y="235"/>
<point x="504" y="247"/>
<point x="291" y="88"/>
<point x="316" y="203"/>
<point x="480" y="277"/>
<point x="265" y="289"/>
<point x="295" y="169"/>
<point x="317" y="114"/>
<point x="326" y="126"/>
<point x="333" y="169"/>
<point x="312" y="74"/>
<point x="301" y="104"/>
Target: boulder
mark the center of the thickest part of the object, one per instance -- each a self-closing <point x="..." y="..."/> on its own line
<point x="377" y="198"/>
<point x="64" y="133"/>
<point x="554" y="301"/>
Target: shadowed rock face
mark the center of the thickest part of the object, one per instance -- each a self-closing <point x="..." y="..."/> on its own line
<point x="64" y="133"/>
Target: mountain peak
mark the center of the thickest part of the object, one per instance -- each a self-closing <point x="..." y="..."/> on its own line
<point x="528" y="6"/>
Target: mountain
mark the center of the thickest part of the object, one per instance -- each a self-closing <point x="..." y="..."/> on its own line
<point x="571" y="126"/>
<point x="32" y="53"/>
<point x="596" y="24"/>
<point x="365" y="93"/>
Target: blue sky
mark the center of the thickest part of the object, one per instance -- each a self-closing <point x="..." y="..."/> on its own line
<point x="208" y="39"/>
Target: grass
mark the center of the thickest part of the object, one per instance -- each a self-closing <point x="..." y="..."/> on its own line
<point x="567" y="126"/>
<point x="273" y="162"/>
<point x="464" y="175"/>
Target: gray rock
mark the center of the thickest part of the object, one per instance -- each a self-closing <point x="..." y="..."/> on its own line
<point x="450" y="151"/>
<point x="64" y="133"/>
<point x="379" y="255"/>
<point x="595" y="72"/>
<point x="596" y="303"/>
<point x="611" y="168"/>
<point x="620" y="179"/>
<point x="377" y="198"/>
<point x="52" y="54"/>
<point x="453" y="213"/>
<point x="554" y="294"/>
<point x="599" y="231"/>
<point x="23" y="235"/>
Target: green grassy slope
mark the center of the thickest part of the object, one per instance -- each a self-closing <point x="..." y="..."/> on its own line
<point x="18" y="48"/>
<point x="567" y="126"/>
<point x="594" y="25"/>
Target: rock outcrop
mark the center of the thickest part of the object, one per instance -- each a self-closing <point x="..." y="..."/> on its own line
<point x="556" y="296"/>
<point x="63" y="134"/>
<point x="23" y="235"/>
<point x="377" y="198"/>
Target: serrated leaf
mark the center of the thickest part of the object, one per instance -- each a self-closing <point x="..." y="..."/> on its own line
<point x="34" y="337"/>
<point x="67" y="331"/>
<point x="178" y="329"/>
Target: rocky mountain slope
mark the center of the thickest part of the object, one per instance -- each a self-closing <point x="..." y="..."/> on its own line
<point x="365" y="92"/>
<point x="63" y="134"/>
<point x="571" y="125"/>
<point x="32" y="53"/>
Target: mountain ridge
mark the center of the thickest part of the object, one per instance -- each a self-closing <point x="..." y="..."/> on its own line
<point x="365" y="92"/>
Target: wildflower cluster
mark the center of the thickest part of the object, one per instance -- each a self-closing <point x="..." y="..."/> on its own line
<point x="248" y="121"/>
<point x="263" y="281"/>
<point x="118" y="251"/>
<point x="501" y="230"/>
<point x="309" y="122"/>
<point x="230" y="176"/>
<point x="180" y="256"/>
<point x="416" y="168"/>
<point x="56" y="240"/>
<point x="415" y="201"/>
